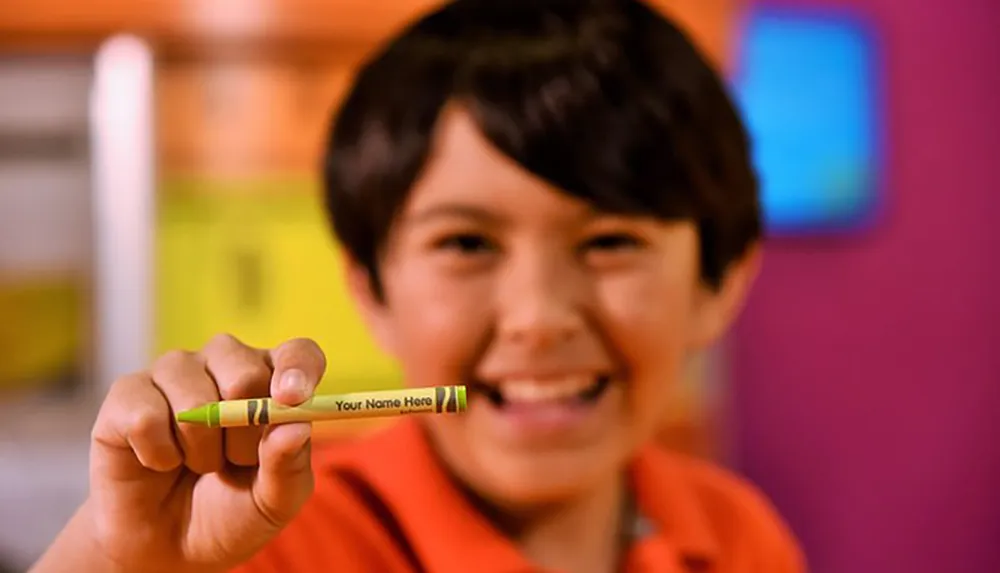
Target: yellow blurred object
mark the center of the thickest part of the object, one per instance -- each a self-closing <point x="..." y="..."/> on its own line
<point x="41" y="330"/>
<point x="256" y="258"/>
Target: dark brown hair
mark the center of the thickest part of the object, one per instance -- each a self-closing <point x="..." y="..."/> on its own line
<point x="607" y="100"/>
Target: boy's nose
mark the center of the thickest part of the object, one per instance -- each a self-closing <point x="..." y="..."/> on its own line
<point x="539" y="303"/>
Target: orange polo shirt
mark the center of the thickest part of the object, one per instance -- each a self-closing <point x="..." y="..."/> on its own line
<point x="382" y="504"/>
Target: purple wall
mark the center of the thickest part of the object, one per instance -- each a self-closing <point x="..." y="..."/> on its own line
<point x="867" y="391"/>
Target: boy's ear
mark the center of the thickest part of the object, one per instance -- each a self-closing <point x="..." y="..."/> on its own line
<point x="371" y="307"/>
<point x="717" y="309"/>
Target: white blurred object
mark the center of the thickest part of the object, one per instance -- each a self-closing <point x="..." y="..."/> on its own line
<point x="124" y="193"/>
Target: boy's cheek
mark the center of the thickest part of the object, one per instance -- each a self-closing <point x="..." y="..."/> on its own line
<point x="429" y="310"/>
<point x="647" y="402"/>
<point x="654" y="349"/>
<point x="649" y="327"/>
<point x="438" y="343"/>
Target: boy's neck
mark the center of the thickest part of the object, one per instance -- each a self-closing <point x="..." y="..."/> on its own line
<point x="587" y="535"/>
<point x="582" y="536"/>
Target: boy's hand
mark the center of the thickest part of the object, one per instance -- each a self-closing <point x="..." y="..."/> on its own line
<point x="169" y="497"/>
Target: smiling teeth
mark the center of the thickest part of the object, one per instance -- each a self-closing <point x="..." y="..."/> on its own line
<point x="535" y="391"/>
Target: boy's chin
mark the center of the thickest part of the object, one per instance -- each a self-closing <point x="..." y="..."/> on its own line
<point x="525" y="477"/>
<point x="533" y="481"/>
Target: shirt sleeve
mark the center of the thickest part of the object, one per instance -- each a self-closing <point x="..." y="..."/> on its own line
<point x="752" y="533"/>
<point x="773" y="547"/>
<point x="781" y="552"/>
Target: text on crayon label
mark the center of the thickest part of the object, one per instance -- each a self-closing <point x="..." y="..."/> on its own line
<point x="383" y="403"/>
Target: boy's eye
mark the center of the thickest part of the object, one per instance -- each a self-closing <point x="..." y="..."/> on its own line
<point x="465" y="243"/>
<point x="612" y="242"/>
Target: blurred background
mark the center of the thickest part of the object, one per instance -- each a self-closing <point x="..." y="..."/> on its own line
<point x="158" y="184"/>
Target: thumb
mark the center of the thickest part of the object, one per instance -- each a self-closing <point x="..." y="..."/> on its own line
<point x="284" y="479"/>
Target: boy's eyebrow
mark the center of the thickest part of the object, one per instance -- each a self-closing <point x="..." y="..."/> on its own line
<point x="453" y="211"/>
<point x="482" y="215"/>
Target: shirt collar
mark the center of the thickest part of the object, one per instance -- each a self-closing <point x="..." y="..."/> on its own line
<point x="449" y="535"/>
<point x="669" y="504"/>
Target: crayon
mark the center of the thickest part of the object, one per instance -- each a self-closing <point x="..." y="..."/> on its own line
<point x="264" y="411"/>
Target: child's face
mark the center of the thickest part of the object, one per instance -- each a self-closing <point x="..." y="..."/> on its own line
<point x="580" y="321"/>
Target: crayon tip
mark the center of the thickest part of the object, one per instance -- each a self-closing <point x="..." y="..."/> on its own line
<point x="199" y="415"/>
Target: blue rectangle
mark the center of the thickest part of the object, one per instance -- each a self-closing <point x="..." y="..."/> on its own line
<point x="807" y="86"/>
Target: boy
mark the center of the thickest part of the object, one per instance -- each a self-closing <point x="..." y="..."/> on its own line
<point x="550" y="202"/>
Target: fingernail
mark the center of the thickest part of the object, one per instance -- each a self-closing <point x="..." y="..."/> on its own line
<point x="294" y="382"/>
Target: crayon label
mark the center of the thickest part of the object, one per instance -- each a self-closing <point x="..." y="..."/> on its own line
<point x="256" y="412"/>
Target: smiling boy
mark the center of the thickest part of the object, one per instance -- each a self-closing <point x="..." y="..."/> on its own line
<point x="551" y="202"/>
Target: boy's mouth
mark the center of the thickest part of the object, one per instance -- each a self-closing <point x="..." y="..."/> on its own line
<point x="577" y="389"/>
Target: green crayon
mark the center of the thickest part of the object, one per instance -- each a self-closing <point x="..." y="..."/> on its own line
<point x="382" y="403"/>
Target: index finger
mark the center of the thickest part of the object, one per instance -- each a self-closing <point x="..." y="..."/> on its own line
<point x="299" y="365"/>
